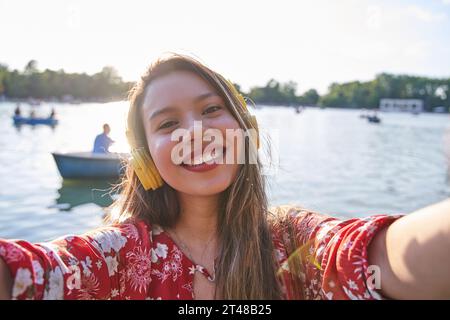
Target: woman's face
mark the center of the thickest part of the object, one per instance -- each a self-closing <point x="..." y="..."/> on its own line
<point x="174" y="102"/>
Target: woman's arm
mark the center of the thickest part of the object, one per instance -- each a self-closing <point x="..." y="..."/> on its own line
<point x="413" y="254"/>
<point x="87" y="266"/>
<point x="5" y="281"/>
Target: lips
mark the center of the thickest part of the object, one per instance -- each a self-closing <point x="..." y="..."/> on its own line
<point x="200" y="167"/>
<point x="216" y="156"/>
<point x="205" y="163"/>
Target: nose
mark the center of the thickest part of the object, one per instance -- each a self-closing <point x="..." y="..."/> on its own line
<point x="195" y="130"/>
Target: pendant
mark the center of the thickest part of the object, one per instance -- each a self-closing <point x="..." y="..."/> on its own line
<point x="212" y="279"/>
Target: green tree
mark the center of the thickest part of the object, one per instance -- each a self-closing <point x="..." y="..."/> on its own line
<point x="309" y="98"/>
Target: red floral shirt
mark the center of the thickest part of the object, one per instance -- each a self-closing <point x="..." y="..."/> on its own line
<point x="139" y="261"/>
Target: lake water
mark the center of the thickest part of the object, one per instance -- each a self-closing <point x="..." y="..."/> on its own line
<point x="327" y="160"/>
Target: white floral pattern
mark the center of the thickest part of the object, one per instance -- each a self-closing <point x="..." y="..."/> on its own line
<point x="159" y="252"/>
<point x="117" y="263"/>
<point x="38" y="272"/>
<point x="22" y="282"/>
<point x="55" y="286"/>
<point x="112" y="264"/>
<point x="110" y="240"/>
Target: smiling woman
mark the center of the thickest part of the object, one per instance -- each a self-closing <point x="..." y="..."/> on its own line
<point x="200" y="228"/>
<point x="177" y="100"/>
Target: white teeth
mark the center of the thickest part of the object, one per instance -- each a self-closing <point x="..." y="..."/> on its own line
<point x="215" y="155"/>
<point x="198" y="160"/>
<point x="208" y="158"/>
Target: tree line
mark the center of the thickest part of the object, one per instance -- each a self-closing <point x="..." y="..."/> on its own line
<point x="107" y="85"/>
<point x="357" y="94"/>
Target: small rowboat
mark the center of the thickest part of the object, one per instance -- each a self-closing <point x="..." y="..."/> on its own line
<point x="88" y="165"/>
<point x="373" y="119"/>
<point x="18" y="120"/>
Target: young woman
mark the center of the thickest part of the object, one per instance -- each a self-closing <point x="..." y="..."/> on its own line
<point x="198" y="228"/>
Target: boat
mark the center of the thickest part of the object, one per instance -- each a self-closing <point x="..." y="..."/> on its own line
<point x="19" y="120"/>
<point x="373" y="119"/>
<point x="88" y="165"/>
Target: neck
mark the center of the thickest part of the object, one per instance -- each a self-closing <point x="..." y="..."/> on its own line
<point x="198" y="217"/>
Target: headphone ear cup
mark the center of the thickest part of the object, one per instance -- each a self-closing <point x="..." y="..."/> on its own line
<point x="145" y="169"/>
<point x="143" y="165"/>
<point x="254" y="124"/>
<point x="252" y="118"/>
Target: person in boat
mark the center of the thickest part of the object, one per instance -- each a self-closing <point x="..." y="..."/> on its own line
<point x="32" y="114"/>
<point x="190" y="228"/>
<point x="17" y="111"/>
<point x="103" y="141"/>
<point x="52" y="114"/>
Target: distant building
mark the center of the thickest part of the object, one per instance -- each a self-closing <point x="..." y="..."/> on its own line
<point x="401" y="105"/>
<point x="440" y="109"/>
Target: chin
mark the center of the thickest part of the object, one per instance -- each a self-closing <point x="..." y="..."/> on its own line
<point x="202" y="186"/>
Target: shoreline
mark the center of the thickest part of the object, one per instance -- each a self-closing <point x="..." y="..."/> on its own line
<point x="38" y="102"/>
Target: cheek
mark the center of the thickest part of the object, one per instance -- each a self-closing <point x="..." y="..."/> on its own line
<point x="233" y="140"/>
<point x="227" y="122"/>
<point x="161" y="150"/>
<point x="223" y="124"/>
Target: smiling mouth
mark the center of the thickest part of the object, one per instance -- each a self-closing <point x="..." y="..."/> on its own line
<point x="211" y="160"/>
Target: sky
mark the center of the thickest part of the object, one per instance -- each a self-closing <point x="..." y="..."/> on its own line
<point x="313" y="43"/>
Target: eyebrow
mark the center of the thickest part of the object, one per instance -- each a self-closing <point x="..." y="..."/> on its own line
<point x="161" y="111"/>
<point x="204" y="96"/>
<point x="170" y="109"/>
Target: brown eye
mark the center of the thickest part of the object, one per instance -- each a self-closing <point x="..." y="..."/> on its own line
<point x="167" y="124"/>
<point x="212" y="109"/>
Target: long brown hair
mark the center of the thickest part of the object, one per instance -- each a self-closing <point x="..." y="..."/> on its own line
<point x="246" y="267"/>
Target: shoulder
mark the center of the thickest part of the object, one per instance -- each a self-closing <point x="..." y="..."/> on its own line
<point x="307" y="223"/>
<point x="110" y="240"/>
<point x="300" y="219"/>
<point x="294" y="212"/>
<point x="117" y="236"/>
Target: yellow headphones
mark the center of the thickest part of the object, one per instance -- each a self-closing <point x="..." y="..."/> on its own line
<point x="141" y="161"/>
<point x="251" y="118"/>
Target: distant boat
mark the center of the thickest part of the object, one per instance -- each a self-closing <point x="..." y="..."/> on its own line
<point x="18" y="120"/>
<point x="373" y="119"/>
<point x="88" y="165"/>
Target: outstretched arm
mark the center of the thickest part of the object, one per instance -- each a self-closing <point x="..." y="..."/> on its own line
<point x="413" y="254"/>
<point x="87" y="266"/>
